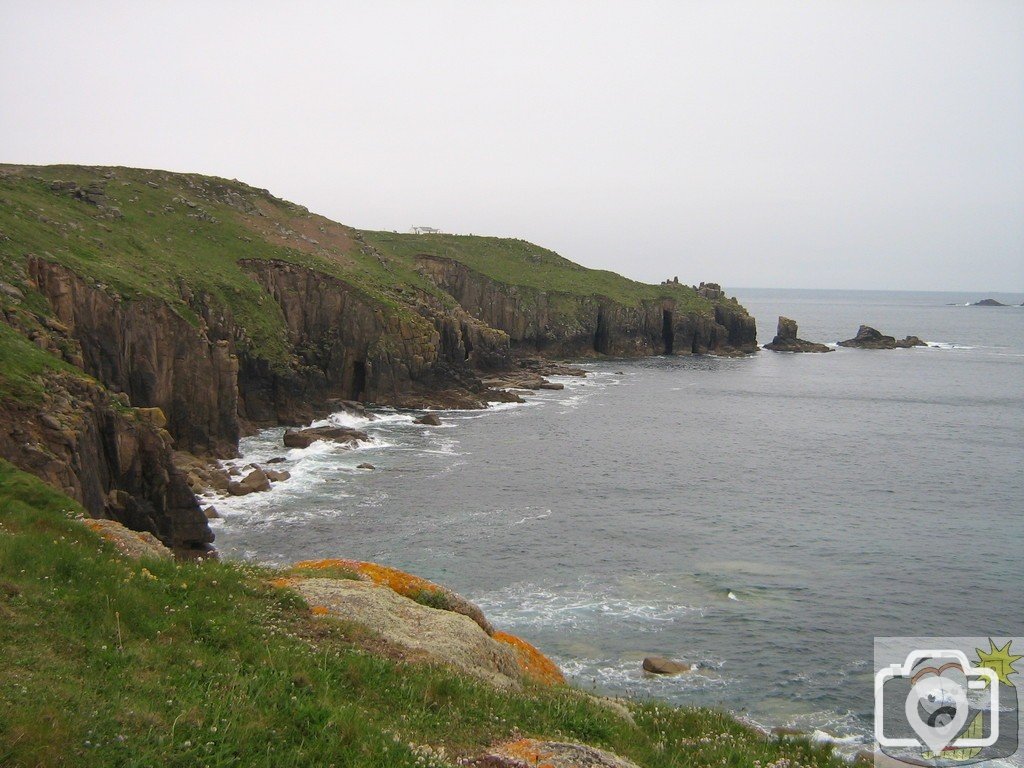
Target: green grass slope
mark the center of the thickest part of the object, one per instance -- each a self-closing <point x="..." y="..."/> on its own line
<point x="110" y="662"/>
<point x="520" y="263"/>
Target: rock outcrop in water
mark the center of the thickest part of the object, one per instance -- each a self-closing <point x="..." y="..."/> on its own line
<point x="988" y="303"/>
<point x="786" y="339"/>
<point x="870" y="338"/>
<point x="303" y="438"/>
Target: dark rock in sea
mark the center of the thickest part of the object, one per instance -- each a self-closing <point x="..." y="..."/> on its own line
<point x="277" y="460"/>
<point x="988" y="303"/>
<point x="276" y="476"/>
<point x="303" y="438"/>
<point x="365" y="465"/>
<point x="256" y="481"/>
<point x="659" y="665"/>
<point x="211" y="512"/>
<point x="786" y="339"/>
<point x="429" y="419"/>
<point x="910" y="341"/>
<point x="870" y="338"/>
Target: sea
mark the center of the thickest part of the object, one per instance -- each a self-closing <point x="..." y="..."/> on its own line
<point x="764" y="518"/>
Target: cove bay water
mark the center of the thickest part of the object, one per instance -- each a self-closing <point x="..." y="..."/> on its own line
<point x="838" y="496"/>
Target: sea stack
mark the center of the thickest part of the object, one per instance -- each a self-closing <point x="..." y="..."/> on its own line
<point x="786" y="340"/>
<point x="871" y="338"/>
<point x="988" y="303"/>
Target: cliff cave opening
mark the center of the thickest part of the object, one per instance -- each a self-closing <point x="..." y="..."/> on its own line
<point x="668" y="335"/>
<point x="358" y="379"/>
<point x="466" y="343"/>
<point x="601" y="334"/>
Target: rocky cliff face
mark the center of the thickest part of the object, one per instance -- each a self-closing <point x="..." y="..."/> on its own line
<point x="572" y="326"/>
<point x="349" y="347"/>
<point x="144" y="349"/>
<point x="106" y="456"/>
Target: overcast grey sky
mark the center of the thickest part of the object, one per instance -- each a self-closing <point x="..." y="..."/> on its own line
<point x="875" y="144"/>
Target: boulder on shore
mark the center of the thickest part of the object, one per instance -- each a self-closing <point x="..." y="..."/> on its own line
<point x="256" y="481"/>
<point x="659" y="665"/>
<point x="786" y="339"/>
<point x="303" y="438"/>
<point x="871" y="338"/>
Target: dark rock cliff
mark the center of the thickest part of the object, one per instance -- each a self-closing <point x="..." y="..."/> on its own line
<point x="349" y="347"/>
<point x="211" y="387"/>
<point x="103" y="454"/>
<point x="144" y="349"/>
<point x="573" y="326"/>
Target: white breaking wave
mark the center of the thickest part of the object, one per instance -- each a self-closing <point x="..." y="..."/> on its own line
<point x="581" y="608"/>
<point x="945" y="345"/>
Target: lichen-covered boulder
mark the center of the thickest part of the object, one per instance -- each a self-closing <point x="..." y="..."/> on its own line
<point x="420" y="632"/>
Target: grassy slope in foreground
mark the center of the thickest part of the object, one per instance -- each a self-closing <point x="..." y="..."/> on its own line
<point x="109" y="662"/>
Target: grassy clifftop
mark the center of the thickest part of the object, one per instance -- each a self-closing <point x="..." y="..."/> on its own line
<point x="520" y="263"/>
<point x="144" y="233"/>
<point x="114" y="662"/>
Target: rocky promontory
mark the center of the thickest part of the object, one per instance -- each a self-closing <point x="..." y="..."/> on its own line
<point x="988" y="303"/>
<point x="786" y="339"/>
<point x="145" y="315"/>
<point x="871" y="338"/>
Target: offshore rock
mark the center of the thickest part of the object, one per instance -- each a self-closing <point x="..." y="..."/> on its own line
<point x="786" y="339"/>
<point x="870" y="338"/>
<point x="303" y="438"/>
<point x="255" y="482"/>
<point x="658" y="665"/>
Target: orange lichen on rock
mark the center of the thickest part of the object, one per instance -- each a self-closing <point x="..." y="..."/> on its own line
<point x="282" y="583"/>
<point x="320" y="610"/>
<point x="405" y="584"/>
<point x="533" y="753"/>
<point x="401" y="582"/>
<point x="534" y="664"/>
<point x="131" y="544"/>
<point x="530" y="751"/>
